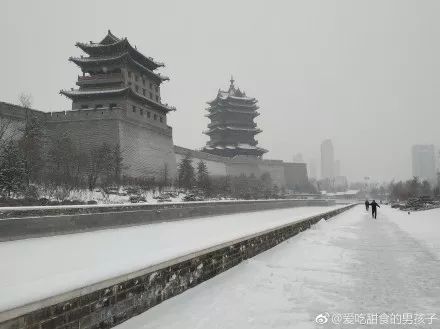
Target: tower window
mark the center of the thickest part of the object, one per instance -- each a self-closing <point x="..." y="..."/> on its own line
<point x="141" y="111"/>
<point x="151" y="95"/>
<point x="151" y="85"/>
<point x="129" y="74"/>
<point x="148" y="114"/>
<point x="157" y="89"/>
<point x="157" y="98"/>
<point x="134" y="108"/>
<point x="161" y="119"/>
<point x="155" y="117"/>
<point x="143" y="81"/>
<point x="137" y="88"/>
<point x="144" y="92"/>
<point x="136" y="78"/>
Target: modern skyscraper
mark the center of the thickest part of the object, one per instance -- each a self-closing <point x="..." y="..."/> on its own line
<point x="327" y="159"/>
<point x="297" y="157"/>
<point x="423" y="162"/>
<point x="312" y="169"/>
<point x="337" y="168"/>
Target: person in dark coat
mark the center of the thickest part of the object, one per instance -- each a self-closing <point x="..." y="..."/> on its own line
<point x="367" y="205"/>
<point x="374" y="206"/>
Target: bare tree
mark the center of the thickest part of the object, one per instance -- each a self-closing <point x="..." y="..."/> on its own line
<point x="31" y="144"/>
<point x="165" y="175"/>
<point x="8" y="131"/>
<point x="12" y="170"/>
<point x="117" y="164"/>
<point x="25" y="100"/>
<point x="101" y="166"/>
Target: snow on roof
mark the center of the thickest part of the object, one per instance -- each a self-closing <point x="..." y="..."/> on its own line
<point x="236" y="128"/>
<point x="246" y="146"/>
<point x="251" y="111"/>
<point x="96" y="59"/>
<point x="92" y="91"/>
<point x="232" y="93"/>
<point x="235" y="147"/>
<point x="227" y="94"/>
<point x="110" y="40"/>
<point x="349" y="192"/>
<point x="81" y="60"/>
<point x="78" y="92"/>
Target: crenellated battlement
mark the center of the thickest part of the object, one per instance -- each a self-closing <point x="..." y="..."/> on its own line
<point x="17" y="112"/>
<point x="93" y="114"/>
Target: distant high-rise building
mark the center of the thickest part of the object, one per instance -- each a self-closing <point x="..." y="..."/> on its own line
<point x="327" y="159"/>
<point x="312" y="169"/>
<point x="337" y="168"/>
<point x="298" y="158"/>
<point x="423" y="162"/>
<point x="340" y="183"/>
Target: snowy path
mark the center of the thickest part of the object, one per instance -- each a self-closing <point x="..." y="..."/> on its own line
<point x="33" y="269"/>
<point x="350" y="264"/>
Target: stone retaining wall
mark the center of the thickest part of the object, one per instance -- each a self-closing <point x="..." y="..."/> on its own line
<point x="47" y="221"/>
<point x="106" y="304"/>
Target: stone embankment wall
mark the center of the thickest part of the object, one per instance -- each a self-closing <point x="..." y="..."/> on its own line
<point x="109" y="303"/>
<point x="57" y="220"/>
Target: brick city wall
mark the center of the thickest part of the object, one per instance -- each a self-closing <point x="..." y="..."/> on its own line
<point x="215" y="164"/>
<point x="147" y="151"/>
<point x="110" y="303"/>
<point x="296" y="174"/>
<point x="87" y="129"/>
<point x="146" y="146"/>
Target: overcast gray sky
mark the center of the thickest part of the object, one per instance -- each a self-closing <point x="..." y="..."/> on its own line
<point x="364" y="73"/>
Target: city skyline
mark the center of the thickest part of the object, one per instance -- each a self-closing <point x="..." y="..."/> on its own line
<point x="327" y="160"/>
<point x="424" y="162"/>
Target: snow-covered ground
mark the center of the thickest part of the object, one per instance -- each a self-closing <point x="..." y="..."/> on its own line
<point x="99" y="196"/>
<point x="422" y="225"/>
<point x="34" y="269"/>
<point x="348" y="269"/>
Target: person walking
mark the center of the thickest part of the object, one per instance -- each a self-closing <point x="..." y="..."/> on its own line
<point x="367" y="205"/>
<point x="374" y="206"/>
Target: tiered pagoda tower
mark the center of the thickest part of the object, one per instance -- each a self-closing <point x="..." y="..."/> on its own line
<point x="116" y="74"/>
<point x="232" y="129"/>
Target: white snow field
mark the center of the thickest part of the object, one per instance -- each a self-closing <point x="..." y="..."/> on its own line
<point x="349" y="269"/>
<point x="34" y="269"/>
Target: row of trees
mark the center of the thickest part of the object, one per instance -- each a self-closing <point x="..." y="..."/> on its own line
<point x="28" y="158"/>
<point x="21" y="160"/>
<point x="412" y="188"/>
<point x="35" y="158"/>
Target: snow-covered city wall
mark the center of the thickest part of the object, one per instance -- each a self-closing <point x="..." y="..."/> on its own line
<point x="148" y="150"/>
<point x="283" y="174"/>
<point x="49" y="221"/>
<point x="108" y="303"/>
